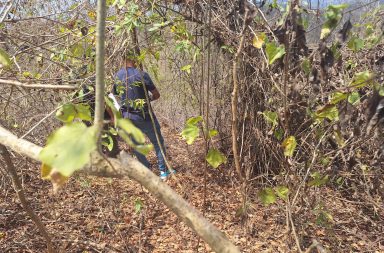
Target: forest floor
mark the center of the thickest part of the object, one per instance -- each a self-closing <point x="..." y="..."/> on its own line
<point x="99" y="215"/>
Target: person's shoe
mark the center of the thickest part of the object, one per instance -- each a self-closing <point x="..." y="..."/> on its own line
<point x="165" y="174"/>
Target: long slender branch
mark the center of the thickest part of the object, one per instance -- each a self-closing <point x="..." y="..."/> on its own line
<point x="23" y="200"/>
<point x="234" y="97"/>
<point x="38" y="85"/>
<point x="129" y="167"/>
<point x="100" y="71"/>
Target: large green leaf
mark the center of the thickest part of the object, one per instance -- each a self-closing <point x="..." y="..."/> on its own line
<point x="274" y="52"/>
<point x="138" y="205"/>
<point x="338" y="96"/>
<point x="68" y="112"/>
<point x="194" y="120"/>
<point x="289" y="145"/>
<point x="271" y="117"/>
<point x="362" y="79"/>
<point x="212" y="133"/>
<point x="259" y="40"/>
<point x="318" y="179"/>
<point x="282" y="192"/>
<point x="215" y="158"/>
<point x="355" y="44"/>
<point x="328" y="111"/>
<point x="131" y="130"/>
<point x="187" y="68"/>
<point x="267" y="196"/>
<point x="354" y="98"/>
<point x="5" y="61"/>
<point x="68" y="149"/>
<point x="191" y="130"/>
<point x="190" y="133"/>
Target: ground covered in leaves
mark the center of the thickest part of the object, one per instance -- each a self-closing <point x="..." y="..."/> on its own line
<point x="108" y="215"/>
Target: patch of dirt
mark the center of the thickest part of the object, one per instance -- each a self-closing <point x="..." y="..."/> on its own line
<point x="98" y="215"/>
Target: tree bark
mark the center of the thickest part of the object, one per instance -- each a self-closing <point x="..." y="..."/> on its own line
<point x="235" y="97"/>
<point x="100" y="70"/>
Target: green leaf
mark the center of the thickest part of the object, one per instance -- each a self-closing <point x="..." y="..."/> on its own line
<point x="191" y="130"/>
<point x="212" y="133"/>
<point x="362" y="79"/>
<point x="338" y="96"/>
<point x="66" y="113"/>
<point x="194" y="120"/>
<point x="138" y="205"/>
<point x="107" y="141"/>
<point x="187" y="68"/>
<point x="381" y="90"/>
<point x="282" y="192"/>
<point x="77" y="50"/>
<point x="267" y="196"/>
<point x="318" y="179"/>
<point x="215" y="158"/>
<point x="339" y="138"/>
<point x="354" y="98"/>
<point x="83" y="112"/>
<point x="5" y="61"/>
<point x="190" y="133"/>
<point x="274" y="52"/>
<point x="45" y="171"/>
<point x="143" y="148"/>
<point x="289" y="145"/>
<point x="328" y="111"/>
<point x="131" y="130"/>
<point x="279" y="134"/>
<point x="68" y="149"/>
<point x="259" y="40"/>
<point x="27" y="74"/>
<point x="355" y="44"/>
<point x="271" y="117"/>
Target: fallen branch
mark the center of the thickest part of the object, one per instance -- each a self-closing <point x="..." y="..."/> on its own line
<point x="38" y="85"/>
<point x="130" y="167"/>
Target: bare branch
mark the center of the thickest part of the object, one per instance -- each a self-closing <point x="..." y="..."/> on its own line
<point x="38" y="85"/>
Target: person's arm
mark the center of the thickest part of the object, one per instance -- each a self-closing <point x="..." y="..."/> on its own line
<point x="155" y="94"/>
<point x="151" y="87"/>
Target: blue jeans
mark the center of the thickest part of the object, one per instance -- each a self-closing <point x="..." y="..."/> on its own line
<point x="145" y="125"/>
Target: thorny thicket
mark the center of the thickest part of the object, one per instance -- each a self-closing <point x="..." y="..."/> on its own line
<point x="306" y="93"/>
